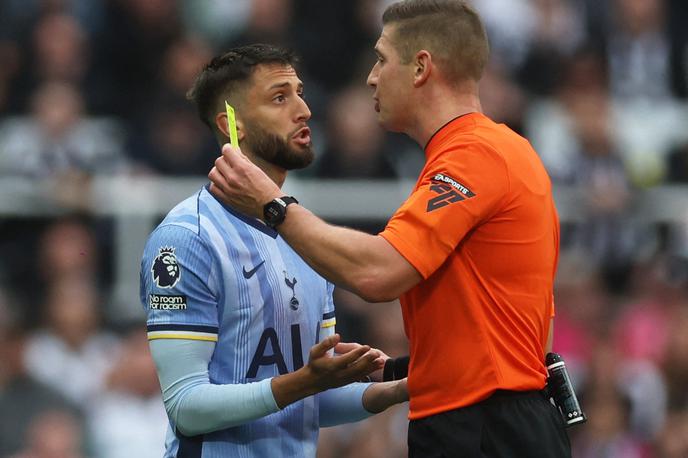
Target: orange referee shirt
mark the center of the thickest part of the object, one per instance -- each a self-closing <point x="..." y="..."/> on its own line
<point x="482" y="229"/>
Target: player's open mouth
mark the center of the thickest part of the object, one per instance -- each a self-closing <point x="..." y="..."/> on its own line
<point x="302" y="136"/>
<point x="377" y="105"/>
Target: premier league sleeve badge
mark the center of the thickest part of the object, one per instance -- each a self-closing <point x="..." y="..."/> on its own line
<point x="165" y="269"/>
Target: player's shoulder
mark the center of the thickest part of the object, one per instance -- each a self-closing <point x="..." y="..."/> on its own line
<point x="181" y="225"/>
<point x="193" y="213"/>
<point x="185" y="213"/>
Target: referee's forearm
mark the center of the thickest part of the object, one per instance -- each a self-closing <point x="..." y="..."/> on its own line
<point x="344" y="256"/>
<point x="382" y="395"/>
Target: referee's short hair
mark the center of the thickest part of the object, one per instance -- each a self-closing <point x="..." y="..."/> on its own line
<point x="451" y="30"/>
<point x="225" y="76"/>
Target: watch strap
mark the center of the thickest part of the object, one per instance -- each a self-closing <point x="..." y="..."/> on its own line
<point x="273" y="219"/>
<point x="289" y="200"/>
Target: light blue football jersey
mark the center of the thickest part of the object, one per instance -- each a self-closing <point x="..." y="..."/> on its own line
<point x="211" y="273"/>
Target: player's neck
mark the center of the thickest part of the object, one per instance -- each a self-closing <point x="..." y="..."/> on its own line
<point x="440" y="107"/>
<point x="276" y="174"/>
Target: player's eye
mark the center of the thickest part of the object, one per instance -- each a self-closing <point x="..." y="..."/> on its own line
<point x="279" y="98"/>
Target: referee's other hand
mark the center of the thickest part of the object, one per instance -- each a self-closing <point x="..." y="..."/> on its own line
<point x="375" y="376"/>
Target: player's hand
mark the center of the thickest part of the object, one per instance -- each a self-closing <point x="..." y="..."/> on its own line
<point x="238" y="182"/>
<point x="344" y="347"/>
<point x="352" y="364"/>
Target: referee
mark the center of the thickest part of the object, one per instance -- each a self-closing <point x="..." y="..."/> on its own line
<point x="471" y="254"/>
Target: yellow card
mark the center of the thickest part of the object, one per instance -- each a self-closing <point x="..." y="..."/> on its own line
<point x="231" y="125"/>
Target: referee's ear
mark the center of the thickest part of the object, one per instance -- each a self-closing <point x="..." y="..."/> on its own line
<point x="422" y="67"/>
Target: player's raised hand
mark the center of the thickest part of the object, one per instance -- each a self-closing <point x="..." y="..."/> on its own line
<point x="356" y="362"/>
<point x="325" y="370"/>
<point x="239" y="183"/>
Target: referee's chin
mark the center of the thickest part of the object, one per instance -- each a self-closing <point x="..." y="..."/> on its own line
<point x="389" y="126"/>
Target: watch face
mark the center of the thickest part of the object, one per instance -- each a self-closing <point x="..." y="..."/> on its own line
<point x="274" y="212"/>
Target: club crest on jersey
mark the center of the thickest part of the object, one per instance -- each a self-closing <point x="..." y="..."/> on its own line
<point x="449" y="190"/>
<point x="165" y="269"/>
<point x="293" y="302"/>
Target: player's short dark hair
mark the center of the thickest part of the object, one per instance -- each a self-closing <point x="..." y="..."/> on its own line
<point x="225" y="74"/>
<point x="451" y="30"/>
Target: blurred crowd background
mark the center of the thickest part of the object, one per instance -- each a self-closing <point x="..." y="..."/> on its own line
<point x="96" y="88"/>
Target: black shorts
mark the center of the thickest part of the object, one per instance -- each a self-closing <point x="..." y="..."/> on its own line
<point x="509" y="424"/>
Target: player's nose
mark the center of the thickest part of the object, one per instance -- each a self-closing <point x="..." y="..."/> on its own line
<point x="303" y="113"/>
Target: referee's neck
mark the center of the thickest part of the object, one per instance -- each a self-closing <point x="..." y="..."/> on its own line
<point x="437" y="105"/>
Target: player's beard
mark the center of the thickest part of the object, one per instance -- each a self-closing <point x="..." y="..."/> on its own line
<point x="276" y="150"/>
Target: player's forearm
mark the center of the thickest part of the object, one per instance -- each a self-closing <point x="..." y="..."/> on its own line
<point x="197" y="406"/>
<point x="207" y="407"/>
<point x="343" y="405"/>
<point x="347" y="257"/>
<point x="380" y="396"/>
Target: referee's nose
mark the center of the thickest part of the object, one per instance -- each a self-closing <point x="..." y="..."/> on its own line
<point x="372" y="76"/>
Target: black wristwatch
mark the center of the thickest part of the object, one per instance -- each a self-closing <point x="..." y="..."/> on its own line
<point x="275" y="211"/>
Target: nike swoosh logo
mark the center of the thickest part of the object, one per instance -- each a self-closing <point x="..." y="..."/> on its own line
<point x="249" y="273"/>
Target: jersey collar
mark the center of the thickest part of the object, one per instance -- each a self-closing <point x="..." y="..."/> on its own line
<point x="253" y="222"/>
<point x="460" y="123"/>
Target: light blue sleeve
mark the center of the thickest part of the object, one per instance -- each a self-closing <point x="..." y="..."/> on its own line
<point x="193" y="404"/>
<point x="343" y="404"/>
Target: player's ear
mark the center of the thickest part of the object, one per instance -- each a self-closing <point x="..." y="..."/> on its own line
<point x="221" y="125"/>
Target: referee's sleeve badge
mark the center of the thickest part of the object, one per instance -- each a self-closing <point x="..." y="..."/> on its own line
<point x="449" y="191"/>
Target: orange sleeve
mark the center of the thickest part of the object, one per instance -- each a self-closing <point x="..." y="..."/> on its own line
<point x="465" y="185"/>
